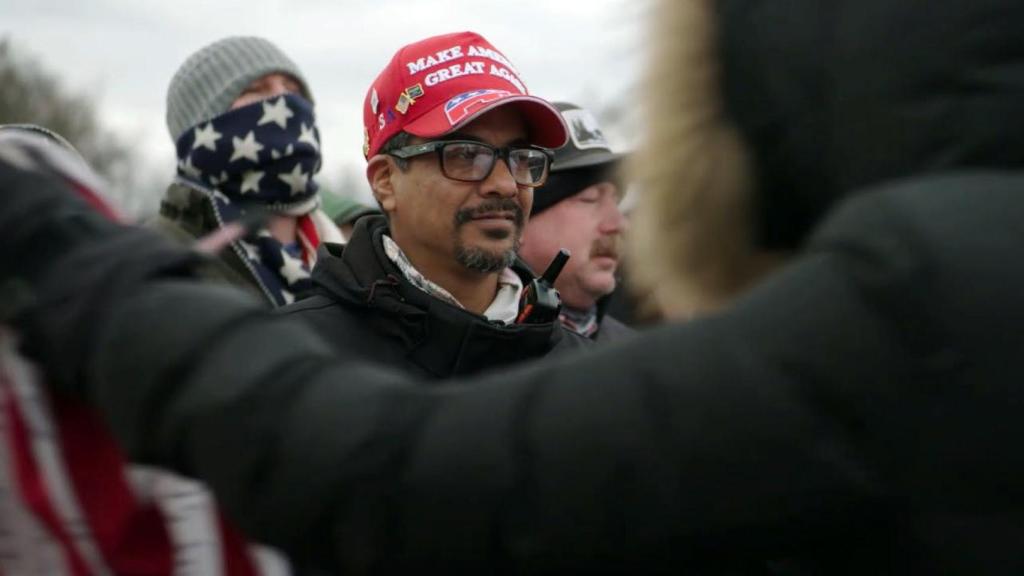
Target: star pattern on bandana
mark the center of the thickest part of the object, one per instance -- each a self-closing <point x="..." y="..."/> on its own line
<point x="296" y="179"/>
<point x="275" y="154"/>
<point x="308" y="135"/>
<point x="292" y="269"/>
<point x="207" y="138"/>
<point x="278" y="113"/>
<point x="217" y="180"/>
<point x="251" y="251"/>
<point x="266" y="152"/>
<point x="248" y="148"/>
<point x="251" y="181"/>
<point x="189" y="169"/>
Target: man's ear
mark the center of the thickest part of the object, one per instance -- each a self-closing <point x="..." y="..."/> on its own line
<point x="379" y="173"/>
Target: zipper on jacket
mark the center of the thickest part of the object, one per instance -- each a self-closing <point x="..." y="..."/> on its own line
<point x="234" y="245"/>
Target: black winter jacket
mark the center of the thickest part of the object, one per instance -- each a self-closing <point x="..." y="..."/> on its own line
<point x="857" y="413"/>
<point x="363" y="305"/>
<point x="612" y="330"/>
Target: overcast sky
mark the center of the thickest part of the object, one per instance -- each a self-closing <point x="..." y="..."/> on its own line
<point x="125" y="51"/>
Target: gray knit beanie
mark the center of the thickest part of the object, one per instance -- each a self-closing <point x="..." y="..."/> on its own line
<point x="211" y="79"/>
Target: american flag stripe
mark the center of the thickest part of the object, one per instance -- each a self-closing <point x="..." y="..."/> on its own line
<point x="269" y="562"/>
<point x="309" y="238"/>
<point x="49" y="469"/>
<point x="30" y="490"/>
<point x="191" y="522"/>
<point x="69" y="505"/>
<point x="236" y="555"/>
<point x="20" y="530"/>
<point x="131" y="535"/>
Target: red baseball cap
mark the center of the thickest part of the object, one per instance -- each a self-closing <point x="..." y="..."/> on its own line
<point x="440" y="84"/>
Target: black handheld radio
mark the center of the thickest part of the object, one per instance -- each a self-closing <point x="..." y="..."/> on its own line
<point x="541" y="302"/>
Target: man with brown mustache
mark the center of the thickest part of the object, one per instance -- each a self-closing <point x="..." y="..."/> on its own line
<point x="455" y="148"/>
<point x="578" y="209"/>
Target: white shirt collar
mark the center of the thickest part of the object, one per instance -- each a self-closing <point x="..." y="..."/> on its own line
<point x="504" y="308"/>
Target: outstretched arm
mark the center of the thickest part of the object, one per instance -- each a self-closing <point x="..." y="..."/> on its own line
<point x="672" y="449"/>
<point x="710" y="443"/>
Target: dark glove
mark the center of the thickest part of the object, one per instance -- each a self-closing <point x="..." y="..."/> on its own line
<point x="63" y="258"/>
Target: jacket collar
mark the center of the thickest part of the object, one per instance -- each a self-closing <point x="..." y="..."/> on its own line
<point x="441" y="338"/>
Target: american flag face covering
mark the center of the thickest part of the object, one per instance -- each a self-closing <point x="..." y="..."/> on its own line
<point x="265" y="153"/>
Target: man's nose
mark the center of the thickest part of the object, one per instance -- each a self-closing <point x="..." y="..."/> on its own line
<point x="613" y="221"/>
<point x="500" y="181"/>
<point x="279" y="86"/>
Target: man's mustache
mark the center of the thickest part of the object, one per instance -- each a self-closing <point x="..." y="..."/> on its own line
<point x="605" y="246"/>
<point x="490" y="206"/>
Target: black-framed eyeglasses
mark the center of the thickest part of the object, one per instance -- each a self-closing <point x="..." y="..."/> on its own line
<point x="470" y="161"/>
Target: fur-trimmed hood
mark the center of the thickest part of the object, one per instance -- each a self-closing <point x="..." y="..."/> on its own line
<point x="763" y="115"/>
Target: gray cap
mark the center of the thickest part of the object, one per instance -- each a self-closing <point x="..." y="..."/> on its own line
<point x="211" y="79"/>
<point x="587" y="145"/>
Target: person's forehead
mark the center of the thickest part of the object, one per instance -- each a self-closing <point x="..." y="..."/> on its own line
<point x="603" y="187"/>
<point x="568" y="209"/>
<point x="284" y="76"/>
<point x="563" y="214"/>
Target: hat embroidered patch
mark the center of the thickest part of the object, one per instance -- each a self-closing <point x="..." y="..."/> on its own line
<point x="466" y="103"/>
